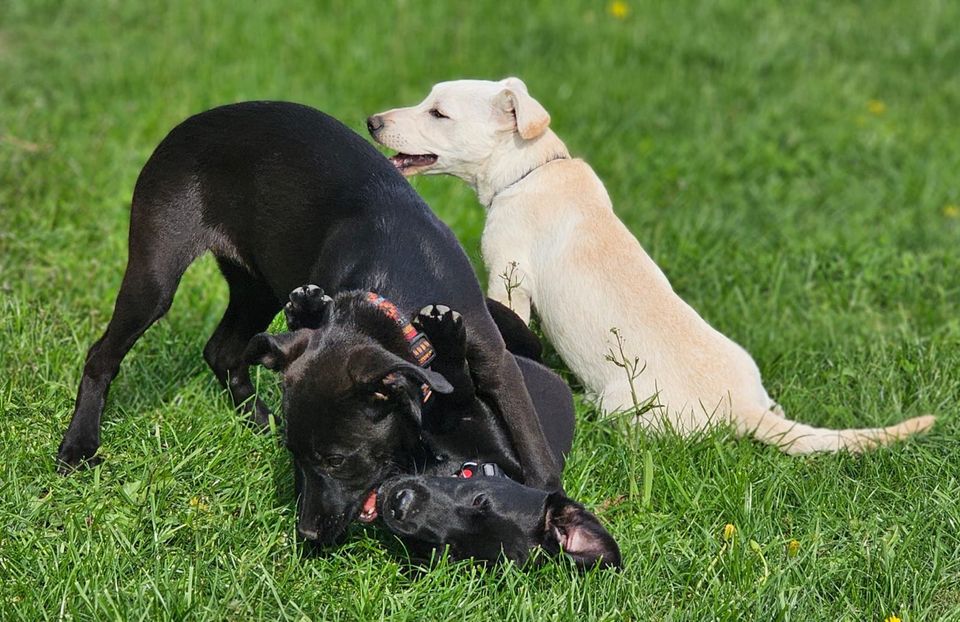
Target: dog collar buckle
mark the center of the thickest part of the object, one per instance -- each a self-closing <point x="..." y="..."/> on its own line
<point x="469" y="470"/>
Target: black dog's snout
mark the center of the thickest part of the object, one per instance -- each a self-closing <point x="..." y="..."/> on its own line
<point x="401" y="503"/>
<point x="374" y="123"/>
<point x="308" y="533"/>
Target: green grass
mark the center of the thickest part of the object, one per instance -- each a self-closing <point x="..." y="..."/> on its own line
<point x="739" y="143"/>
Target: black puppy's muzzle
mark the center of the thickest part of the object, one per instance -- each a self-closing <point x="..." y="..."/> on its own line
<point x="323" y="532"/>
<point x="374" y="124"/>
<point x="400" y="503"/>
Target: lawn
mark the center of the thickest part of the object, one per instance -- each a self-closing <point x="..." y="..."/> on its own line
<point x="793" y="167"/>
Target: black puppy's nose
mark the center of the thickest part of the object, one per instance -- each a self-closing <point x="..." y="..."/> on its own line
<point x="374" y="123"/>
<point x="307" y="533"/>
<point x="401" y="503"/>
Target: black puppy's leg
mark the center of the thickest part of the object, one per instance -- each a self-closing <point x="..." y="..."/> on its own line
<point x="251" y="308"/>
<point x="145" y="295"/>
<point x="445" y="330"/>
<point x="516" y="334"/>
<point x="500" y="384"/>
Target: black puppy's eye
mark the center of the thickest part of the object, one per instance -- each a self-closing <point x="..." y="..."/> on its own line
<point x="480" y="501"/>
<point x="436" y="114"/>
<point x="334" y="460"/>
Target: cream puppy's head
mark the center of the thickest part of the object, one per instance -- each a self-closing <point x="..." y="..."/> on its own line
<point x="460" y="127"/>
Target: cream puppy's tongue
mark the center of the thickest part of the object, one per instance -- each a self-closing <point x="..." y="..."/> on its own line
<point x="407" y="163"/>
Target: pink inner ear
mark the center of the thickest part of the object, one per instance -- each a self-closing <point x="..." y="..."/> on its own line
<point x="571" y="540"/>
<point x="575" y="542"/>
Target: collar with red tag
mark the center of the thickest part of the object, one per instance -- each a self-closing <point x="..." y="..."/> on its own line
<point x="469" y="470"/>
<point x="420" y="347"/>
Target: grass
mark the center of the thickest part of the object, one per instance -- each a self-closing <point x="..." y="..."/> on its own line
<point x="793" y="167"/>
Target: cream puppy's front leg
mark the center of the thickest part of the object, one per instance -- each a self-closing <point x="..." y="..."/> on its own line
<point x="509" y="281"/>
<point x="509" y="284"/>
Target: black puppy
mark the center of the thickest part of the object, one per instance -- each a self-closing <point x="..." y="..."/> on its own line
<point x="472" y="507"/>
<point x="488" y="518"/>
<point x="283" y="194"/>
<point x="437" y="418"/>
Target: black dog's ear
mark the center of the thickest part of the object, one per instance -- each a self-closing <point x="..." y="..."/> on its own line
<point x="579" y="534"/>
<point x="276" y="352"/>
<point x="378" y="369"/>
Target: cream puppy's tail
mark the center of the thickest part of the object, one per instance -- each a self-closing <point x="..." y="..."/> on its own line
<point x="795" y="438"/>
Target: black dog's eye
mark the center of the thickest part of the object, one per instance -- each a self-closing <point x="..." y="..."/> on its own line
<point x="436" y="114"/>
<point x="334" y="460"/>
<point x="480" y="501"/>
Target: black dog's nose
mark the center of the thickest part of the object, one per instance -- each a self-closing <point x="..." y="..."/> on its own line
<point x="374" y="123"/>
<point x="401" y="503"/>
<point x="307" y="533"/>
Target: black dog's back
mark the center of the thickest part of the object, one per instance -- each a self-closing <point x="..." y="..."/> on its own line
<point x="247" y="179"/>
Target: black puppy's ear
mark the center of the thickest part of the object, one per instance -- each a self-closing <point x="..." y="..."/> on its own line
<point x="384" y="373"/>
<point x="276" y="352"/>
<point x="579" y="534"/>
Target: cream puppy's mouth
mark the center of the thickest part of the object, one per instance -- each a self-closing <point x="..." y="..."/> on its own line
<point x="412" y="164"/>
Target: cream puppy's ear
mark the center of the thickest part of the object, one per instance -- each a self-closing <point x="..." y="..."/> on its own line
<point x="532" y="118"/>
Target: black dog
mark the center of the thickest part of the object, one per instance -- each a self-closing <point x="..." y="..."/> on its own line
<point x="475" y="509"/>
<point x="476" y="516"/>
<point x="488" y="517"/>
<point x="433" y="435"/>
<point x="283" y="194"/>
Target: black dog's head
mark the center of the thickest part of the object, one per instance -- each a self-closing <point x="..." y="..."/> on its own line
<point x="352" y="404"/>
<point x="488" y="518"/>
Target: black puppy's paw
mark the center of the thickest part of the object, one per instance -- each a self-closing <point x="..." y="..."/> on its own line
<point x="444" y="328"/>
<point x="305" y="309"/>
<point x="77" y="454"/>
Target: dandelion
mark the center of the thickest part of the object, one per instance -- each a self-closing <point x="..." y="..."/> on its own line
<point x="728" y="531"/>
<point x="793" y="547"/>
<point x="876" y="107"/>
<point x="893" y="619"/>
<point x="951" y="211"/>
<point x="619" y="9"/>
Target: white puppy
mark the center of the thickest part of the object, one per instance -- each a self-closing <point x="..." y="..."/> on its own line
<point x="551" y="224"/>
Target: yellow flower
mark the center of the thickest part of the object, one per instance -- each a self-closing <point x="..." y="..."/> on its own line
<point x="618" y="9"/>
<point x="728" y="531"/>
<point x="793" y="547"/>
<point x="876" y="107"/>
<point x="893" y="619"/>
<point x="951" y="211"/>
<point x="198" y="504"/>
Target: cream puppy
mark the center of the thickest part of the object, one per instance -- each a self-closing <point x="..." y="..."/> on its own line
<point x="552" y="233"/>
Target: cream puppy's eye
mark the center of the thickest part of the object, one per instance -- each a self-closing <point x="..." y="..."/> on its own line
<point x="436" y="114"/>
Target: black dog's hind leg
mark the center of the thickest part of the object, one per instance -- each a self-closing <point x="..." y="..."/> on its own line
<point x="150" y="280"/>
<point x="445" y="330"/>
<point x="251" y="308"/>
<point x="519" y="338"/>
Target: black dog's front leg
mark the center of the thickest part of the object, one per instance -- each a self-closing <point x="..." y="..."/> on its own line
<point x="305" y="307"/>
<point x="445" y="330"/>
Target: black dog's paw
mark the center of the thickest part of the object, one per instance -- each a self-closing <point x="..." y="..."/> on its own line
<point x="75" y="455"/>
<point x="258" y="414"/>
<point x="305" y="309"/>
<point x="444" y="328"/>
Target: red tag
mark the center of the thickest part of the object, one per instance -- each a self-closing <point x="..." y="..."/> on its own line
<point x="466" y="473"/>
